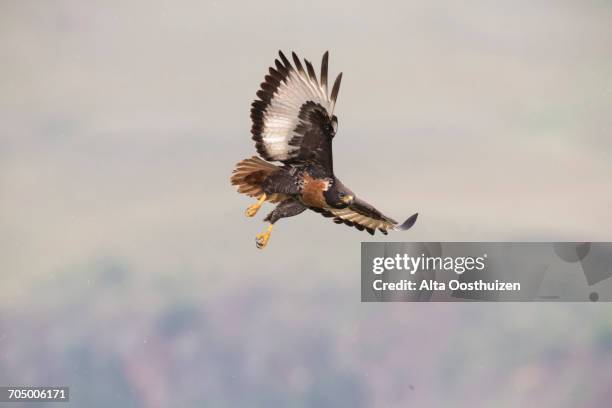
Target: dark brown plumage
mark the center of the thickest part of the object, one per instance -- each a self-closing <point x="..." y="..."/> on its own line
<point x="294" y="124"/>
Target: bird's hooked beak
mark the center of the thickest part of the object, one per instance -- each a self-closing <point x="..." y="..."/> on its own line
<point x="348" y="199"/>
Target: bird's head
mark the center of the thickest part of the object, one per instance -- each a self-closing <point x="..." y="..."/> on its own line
<point x="338" y="196"/>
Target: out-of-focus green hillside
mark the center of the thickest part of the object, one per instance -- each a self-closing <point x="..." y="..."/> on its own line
<point x="120" y="338"/>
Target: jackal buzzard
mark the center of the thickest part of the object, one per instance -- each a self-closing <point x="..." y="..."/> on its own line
<point x="294" y="123"/>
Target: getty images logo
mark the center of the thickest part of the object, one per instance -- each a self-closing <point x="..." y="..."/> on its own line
<point x="412" y="264"/>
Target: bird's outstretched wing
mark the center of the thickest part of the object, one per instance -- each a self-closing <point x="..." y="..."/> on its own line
<point x="364" y="216"/>
<point x="293" y="118"/>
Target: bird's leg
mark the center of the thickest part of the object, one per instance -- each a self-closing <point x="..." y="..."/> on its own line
<point x="252" y="210"/>
<point x="287" y="208"/>
<point x="261" y="240"/>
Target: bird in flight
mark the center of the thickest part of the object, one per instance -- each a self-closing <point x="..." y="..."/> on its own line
<point x="294" y="124"/>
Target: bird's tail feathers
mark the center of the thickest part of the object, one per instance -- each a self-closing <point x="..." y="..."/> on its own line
<point x="249" y="175"/>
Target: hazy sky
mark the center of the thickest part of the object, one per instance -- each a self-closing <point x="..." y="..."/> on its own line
<point x="121" y="122"/>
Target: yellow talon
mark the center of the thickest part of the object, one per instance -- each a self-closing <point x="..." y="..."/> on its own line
<point x="261" y="240"/>
<point x="252" y="210"/>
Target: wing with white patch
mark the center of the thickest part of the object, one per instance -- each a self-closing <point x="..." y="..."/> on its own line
<point x="293" y="118"/>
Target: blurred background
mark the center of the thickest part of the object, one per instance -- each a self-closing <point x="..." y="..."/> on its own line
<point x="129" y="272"/>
